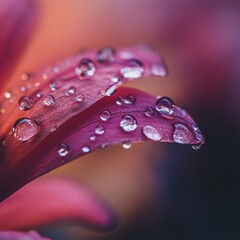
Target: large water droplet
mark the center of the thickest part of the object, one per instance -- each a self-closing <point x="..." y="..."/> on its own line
<point x="85" y="68"/>
<point x="149" y="112"/>
<point x="63" y="150"/>
<point x="182" y="134"/>
<point x="134" y="69"/>
<point x="25" y="103"/>
<point x="126" y="144"/>
<point x="86" y="149"/>
<point x="100" y="130"/>
<point x="105" y="115"/>
<point x="151" y="133"/>
<point x="160" y="70"/>
<point x="106" y="55"/>
<point x="130" y="99"/>
<point x="128" y="123"/>
<point x="165" y="106"/>
<point x="49" y="100"/>
<point x="25" y="129"/>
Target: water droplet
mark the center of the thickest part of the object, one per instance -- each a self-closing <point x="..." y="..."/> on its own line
<point x="25" y="103"/>
<point x="71" y="91"/>
<point x="85" y="68"/>
<point x="116" y="79"/>
<point x="119" y="101"/>
<point x="134" y="69"/>
<point x="110" y="91"/>
<point x="160" y="70"/>
<point x="151" y="133"/>
<point x="49" y="100"/>
<point x="53" y="85"/>
<point x="86" y="149"/>
<point x="130" y="99"/>
<point x="54" y="128"/>
<point x="25" y="129"/>
<point x="106" y="55"/>
<point x="126" y="144"/>
<point x="63" y="150"/>
<point x="100" y="130"/>
<point x="165" y="107"/>
<point x="38" y="94"/>
<point x="128" y="123"/>
<point x="149" y="112"/>
<point x="79" y="97"/>
<point x="23" y="88"/>
<point x="182" y="134"/>
<point x="25" y="76"/>
<point x="8" y="95"/>
<point x="196" y="146"/>
<point x="92" y="137"/>
<point x="105" y="115"/>
<point x="198" y="134"/>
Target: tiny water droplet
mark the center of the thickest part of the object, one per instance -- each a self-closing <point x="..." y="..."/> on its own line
<point x="38" y="94"/>
<point x="92" y="137"/>
<point x="110" y="91"/>
<point x="25" y="129"/>
<point x="134" y="69"/>
<point x="106" y="55"/>
<point x="119" y="101"/>
<point x="130" y="99"/>
<point x="63" y="150"/>
<point x="86" y="149"/>
<point x="128" y="123"/>
<point x="53" y="85"/>
<point x="8" y="94"/>
<point x="160" y="70"/>
<point x="85" y="68"/>
<point x="49" y="100"/>
<point x="182" y="134"/>
<point x="79" y="97"/>
<point x="100" y="130"/>
<point x="23" y="88"/>
<point x="151" y="133"/>
<point x="25" y="103"/>
<point x="126" y="144"/>
<point x="196" y="147"/>
<point x="149" y="112"/>
<point x="116" y="79"/>
<point x="54" y="128"/>
<point x="25" y="76"/>
<point x="165" y="107"/>
<point x="105" y="115"/>
<point x="71" y="91"/>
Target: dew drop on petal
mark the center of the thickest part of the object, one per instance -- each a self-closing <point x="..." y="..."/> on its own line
<point x="165" y="107"/>
<point x="25" y="129"/>
<point x="49" y="100"/>
<point x="149" y="112"/>
<point x="119" y="101"/>
<point x="106" y="55"/>
<point x="92" y="137"/>
<point x="8" y="94"/>
<point x="85" y="68"/>
<point x="198" y="134"/>
<point x="151" y="133"/>
<point x="196" y="146"/>
<point x="54" y="128"/>
<point x="128" y="123"/>
<point x="130" y="99"/>
<point x="110" y="91"/>
<point x="39" y="94"/>
<point x="63" y="150"/>
<point x="105" y="115"/>
<point x="86" y="149"/>
<point x="116" y="79"/>
<point x="25" y="76"/>
<point x="160" y="70"/>
<point x="100" y="130"/>
<point x="133" y="69"/>
<point x="23" y="88"/>
<point x="182" y="134"/>
<point x="71" y="91"/>
<point x="126" y="144"/>
<point x="53" y="85"/>
<point x="79" y="97"/>
<point x="25" y="103"/>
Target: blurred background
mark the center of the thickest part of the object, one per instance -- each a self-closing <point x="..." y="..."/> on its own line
<point x="159" y="191"/>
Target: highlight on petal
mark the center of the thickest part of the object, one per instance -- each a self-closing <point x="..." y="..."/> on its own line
<point x="32" y="235"/>
<point x="72" y="108"/>
<point x="17" y="19"/>
<point x="54" y="200"/>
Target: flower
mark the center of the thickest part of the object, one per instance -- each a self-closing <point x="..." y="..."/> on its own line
<point x="78" y="105"/>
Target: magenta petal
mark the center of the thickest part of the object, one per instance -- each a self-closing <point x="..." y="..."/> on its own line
<point x="54" y="200"/>
<point x="13" y="235"/>
<point x="17" y="19"/>
<point x="50" y="124"/>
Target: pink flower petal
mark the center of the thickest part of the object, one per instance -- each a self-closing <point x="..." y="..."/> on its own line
<point x="54" y="200"/>
<point x="43" y="130"/>
<point x="17" y="19"/>
<point x="13" y="235"/>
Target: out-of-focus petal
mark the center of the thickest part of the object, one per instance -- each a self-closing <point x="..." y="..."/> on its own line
<point x="32" y="235"/>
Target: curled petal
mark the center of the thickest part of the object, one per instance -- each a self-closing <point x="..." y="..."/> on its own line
<point x="32" y="235"/>
<point x="50" y="125"/>
<point x="53" y="200"/>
